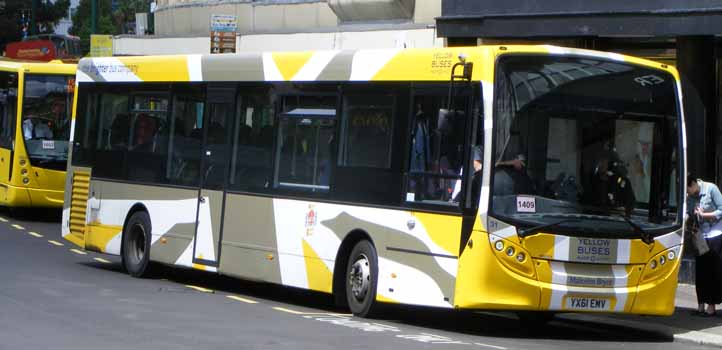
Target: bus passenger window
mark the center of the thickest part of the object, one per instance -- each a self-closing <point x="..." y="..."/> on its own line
<point x="252" y="157"/>
<point x="218" y="124"/>
<point x="148" y="149"/>
<point x="305" y="146"/>
<point x="436" y="150"/>
<point x="368" y="131"/>
<point x="109" y="131"/>
<point x="185" y="141"/>
<point x="8" y="96"/>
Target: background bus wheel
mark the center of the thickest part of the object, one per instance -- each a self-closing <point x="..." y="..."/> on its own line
<point x="361" y="279"/>
<point x="136" y="245"/>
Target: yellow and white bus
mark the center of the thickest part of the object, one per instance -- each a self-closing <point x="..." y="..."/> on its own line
<point x="36" y="101"/>
<point x="527" y="178"/>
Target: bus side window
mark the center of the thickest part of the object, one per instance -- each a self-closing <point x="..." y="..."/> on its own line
<point x="306" y="143"/>
<point x="186" y="138"/>
<point x="7" y="109"/>
<point x="252" y="153"/>
<point x="110" y="115"/>
<point x="148" y="146"/>
<point x="436" y="150"/>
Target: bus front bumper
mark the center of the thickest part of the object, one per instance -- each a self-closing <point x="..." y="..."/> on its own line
<point x="489" y="279"/>
<point x="16" y="196"/>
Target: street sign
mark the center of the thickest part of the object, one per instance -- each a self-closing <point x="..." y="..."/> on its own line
<point x="223" y="33"/>
<point x="101" y="45"/>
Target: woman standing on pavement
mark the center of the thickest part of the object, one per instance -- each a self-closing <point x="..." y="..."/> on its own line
<point x="705" y="200"/>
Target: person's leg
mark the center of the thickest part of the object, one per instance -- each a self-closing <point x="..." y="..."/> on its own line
<point x="700" y="281"/>
<point x="715" y="264"/>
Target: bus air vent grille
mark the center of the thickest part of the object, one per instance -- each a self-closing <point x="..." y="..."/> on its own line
<point x="78" y="204"/>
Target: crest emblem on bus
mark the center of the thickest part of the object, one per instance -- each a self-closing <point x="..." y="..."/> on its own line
<point x="310" y="220"/>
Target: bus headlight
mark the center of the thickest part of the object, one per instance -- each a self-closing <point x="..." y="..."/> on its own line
<point x="658" y="267"/>
<point x="499" y="245"/>
<point x="23" y="162"/>
<point x="512" y="255"/>
<point x="26" y="180"/>
<point x="671" y="255"/>
<point x="510" y="251"/>
<point x="23" y="171"/>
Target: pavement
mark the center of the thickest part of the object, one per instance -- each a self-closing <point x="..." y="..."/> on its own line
<point x="682" y="326"/>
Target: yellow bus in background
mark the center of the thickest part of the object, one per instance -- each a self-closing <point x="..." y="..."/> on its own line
<point x="36" y="101"/>
<point x="525" y="178"/>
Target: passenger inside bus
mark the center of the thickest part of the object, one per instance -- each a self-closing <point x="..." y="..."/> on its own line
<point x="510" y="172"/>
<point x="118" y="138"/>
<point x="609" y="185"/>
<point x="36" y="128"/>
<point x="437" y="151"/>
<point x="144" y="134"/>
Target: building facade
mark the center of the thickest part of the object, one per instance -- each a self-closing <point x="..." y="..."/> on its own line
<point x="182" y="26"/>
<point x="683" y="33"/>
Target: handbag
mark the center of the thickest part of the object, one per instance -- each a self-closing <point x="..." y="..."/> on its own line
<point x="699" y="243"/>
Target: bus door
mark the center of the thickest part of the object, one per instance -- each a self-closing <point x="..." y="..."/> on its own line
<point x="217" y="126"/>
<point x="8" y="117"/>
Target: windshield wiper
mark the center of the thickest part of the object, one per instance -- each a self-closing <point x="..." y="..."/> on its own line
<point x="638" y="230"/>
<point x="535" y="229"/>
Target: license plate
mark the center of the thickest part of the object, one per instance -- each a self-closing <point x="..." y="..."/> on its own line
<point x="587" y="303"/>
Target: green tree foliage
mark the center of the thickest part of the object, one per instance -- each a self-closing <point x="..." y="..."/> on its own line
<point x="81" y="21"/>
<point x="47" y="16"/>
<point x="125" y="12"/>
<point x="110" y="21"/>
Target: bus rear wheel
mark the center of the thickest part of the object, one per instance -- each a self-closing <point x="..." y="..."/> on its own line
<point x="362" y="279"/>
<point x="136" y="245"/>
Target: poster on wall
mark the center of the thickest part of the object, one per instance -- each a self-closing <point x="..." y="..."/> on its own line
<point x="223" y="33"/>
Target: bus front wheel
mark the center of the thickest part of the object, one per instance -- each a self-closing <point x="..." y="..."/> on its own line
<point x="362" y="279"/>
<point x="136" y="245"/>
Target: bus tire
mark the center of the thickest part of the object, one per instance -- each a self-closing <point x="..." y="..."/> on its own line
<point x="361" y="279"/>
<point x="136" y="245"/>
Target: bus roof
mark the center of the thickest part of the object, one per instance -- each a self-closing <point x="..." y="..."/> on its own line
<point x="339" y="65"/>
<point x="52" y="67"/>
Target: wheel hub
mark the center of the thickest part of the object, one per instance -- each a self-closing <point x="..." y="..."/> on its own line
<point x="360" y="277"/>
<point x="138" y="242"/>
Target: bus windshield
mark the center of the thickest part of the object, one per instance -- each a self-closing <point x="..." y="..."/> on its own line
<point x="586" y="146"/>
<point x="47" y="101"/>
